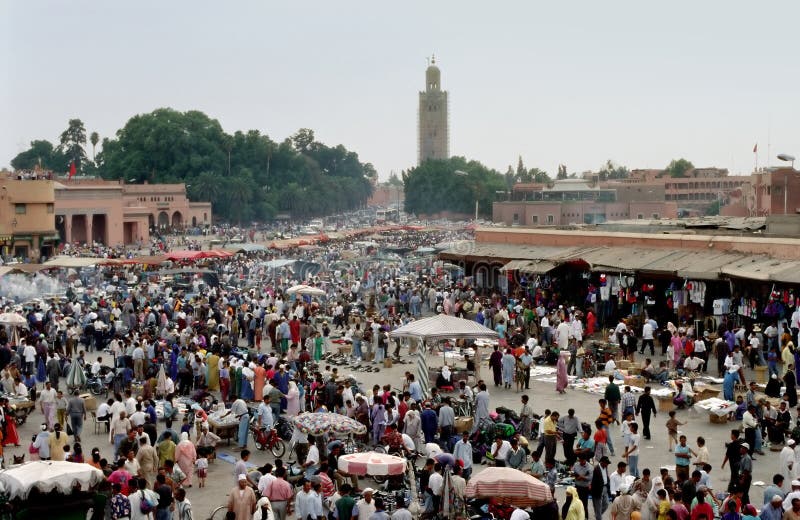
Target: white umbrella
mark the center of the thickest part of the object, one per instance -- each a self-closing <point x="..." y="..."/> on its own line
<point x="442" y="327"/>
<point x="13" y="319"/>
<point x="47" y="476"/>
<point x="305" y="290"/>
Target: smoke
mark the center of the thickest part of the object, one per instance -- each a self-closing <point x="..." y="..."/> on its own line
<point x="21" y="288"/>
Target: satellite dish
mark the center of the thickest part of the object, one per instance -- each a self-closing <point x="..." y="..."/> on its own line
<point x="786" y="157"/>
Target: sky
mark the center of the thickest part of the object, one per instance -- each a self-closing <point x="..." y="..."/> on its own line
<point x="575" y="82"/>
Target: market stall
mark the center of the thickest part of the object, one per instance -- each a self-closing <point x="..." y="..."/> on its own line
<point x="509" y="486"/>
<point x="35" y="489"/>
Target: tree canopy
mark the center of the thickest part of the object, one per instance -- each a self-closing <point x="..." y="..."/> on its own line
<point x="613" y="171"/>
<point x="72" y="140"/>
<point x="246" y="175"/>
<point x="43" y="154"/>
<point x="451" y="185"/>
<point x="679" y="167"/>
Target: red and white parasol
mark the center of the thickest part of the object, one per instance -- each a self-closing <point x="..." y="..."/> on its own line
<point x="509" y="486"/>
<point x="371" y="463"/>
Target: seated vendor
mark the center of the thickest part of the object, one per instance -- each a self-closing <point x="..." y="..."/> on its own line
<point x="445" y="378"/>
<point x="661" y="374"/>
<point x="681" y="399"/>
<point x="610" y="366"/>
<point x="692" y="363"/>
<point x="537" y="353"/>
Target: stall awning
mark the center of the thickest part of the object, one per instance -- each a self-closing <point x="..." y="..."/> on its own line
<point x="530" y="266"/>
<point x="757" y="268"/>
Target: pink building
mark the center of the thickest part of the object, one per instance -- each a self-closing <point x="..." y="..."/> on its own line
<point x="114" y="213"/>
<point x="769" y="192"/>
<point x="574" y="201"/>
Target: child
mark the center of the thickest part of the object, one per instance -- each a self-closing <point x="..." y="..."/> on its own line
<point x="672" y="429"/>
<point x="663" y="504"/>
<point x="202" y="469"/>
<point x="626" y="428"/>
<point x="551" y="474"/>
<point x="600" y="441"/>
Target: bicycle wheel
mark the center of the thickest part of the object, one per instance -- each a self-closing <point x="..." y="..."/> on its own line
<point x="379" y="449"/>
<point x="219" y="513"/>
<point x="278" y="449"/>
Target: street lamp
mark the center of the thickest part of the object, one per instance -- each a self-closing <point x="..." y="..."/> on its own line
<point x="786" y="158"/>
<point x="462" y="173"/>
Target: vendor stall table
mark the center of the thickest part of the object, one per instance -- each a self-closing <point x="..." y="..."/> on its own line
<point x="224" y="431"/>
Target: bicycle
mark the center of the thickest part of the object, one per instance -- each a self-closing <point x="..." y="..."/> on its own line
<point x="218" y="513"/>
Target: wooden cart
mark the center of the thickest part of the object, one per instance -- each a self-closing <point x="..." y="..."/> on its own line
<point x="223" y="431"/>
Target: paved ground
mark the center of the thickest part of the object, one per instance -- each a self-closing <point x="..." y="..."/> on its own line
<point x="543" y="395"/>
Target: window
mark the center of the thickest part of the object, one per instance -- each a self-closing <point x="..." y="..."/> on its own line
<point x="655" y="216"/>
<point x="550" y="219"/>
<point x="516" y="218"/>
<point x="50" y="207"/>
<point x="640" y="216"/>
<point x="535" y="219"/>
<point x="20" y="209"/>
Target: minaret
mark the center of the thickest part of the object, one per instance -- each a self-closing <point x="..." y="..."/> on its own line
<point x="433" y="132"/>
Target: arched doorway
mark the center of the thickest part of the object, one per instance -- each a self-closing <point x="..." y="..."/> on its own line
<point x="99" y="229"/>
<point x="163" y="219"/>
<point x="151" y="221"/>
<point x="177" y="220"/>
<point x="194" y="221"/>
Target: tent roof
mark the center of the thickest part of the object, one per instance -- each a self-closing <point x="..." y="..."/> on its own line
<point x="443" y="327"/>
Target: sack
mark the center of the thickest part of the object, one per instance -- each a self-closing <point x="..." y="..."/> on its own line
<point x="146" y="506"/>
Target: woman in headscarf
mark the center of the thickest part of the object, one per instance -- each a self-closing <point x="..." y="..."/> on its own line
<point x="412" y="426"/>
<point x="263" y="510"/>
<point x="649" y="508"/>
<point x="58" y="440"/>
<point x="248" y="375"/>
<point x="562" y="380"/>
<point x="292" y="400"/>
<point x="729" y="383"/>
<point x="791" y="385"/>
<point x="185" y="457"/>
<point x="212" y="362"/>
<point x="573" y="507"/>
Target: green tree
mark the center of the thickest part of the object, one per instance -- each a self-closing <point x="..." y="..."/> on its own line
<point x="713" y="208"/>
<point x="394" y="180"/>
<point x="245" y="175"/>
<point x="94" y="138"/>
<point x="562" y="172"/>
<point x="43" y="154"/>
<point x="540" y="176"/>
<point x="72" y="140"/>
<point x="303" y="139"/>
<point x="679" y="167"/>
<point x="451" y="185"/>
<point x="613" y="171"/>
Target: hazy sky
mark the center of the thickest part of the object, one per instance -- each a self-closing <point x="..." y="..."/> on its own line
<point x="574" y="82"/>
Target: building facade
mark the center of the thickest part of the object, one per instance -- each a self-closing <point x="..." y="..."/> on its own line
<point x="773" y="191"/>
<point x="27" y="218"/>
<point x="113" y="213"/>
<point x="573" y="201"/>
<point x="433" y="124"/>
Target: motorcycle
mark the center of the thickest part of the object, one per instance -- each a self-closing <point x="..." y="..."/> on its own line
<point x="264" y="438"/>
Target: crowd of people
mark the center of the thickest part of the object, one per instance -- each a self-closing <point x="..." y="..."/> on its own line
<point x="256" y="350"/>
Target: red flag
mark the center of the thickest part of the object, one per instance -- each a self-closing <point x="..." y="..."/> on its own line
<point x="755" y="148"/>
<point x="72" y="169"/>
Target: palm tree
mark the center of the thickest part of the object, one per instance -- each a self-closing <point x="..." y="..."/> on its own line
<point x="94" y="139"/>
